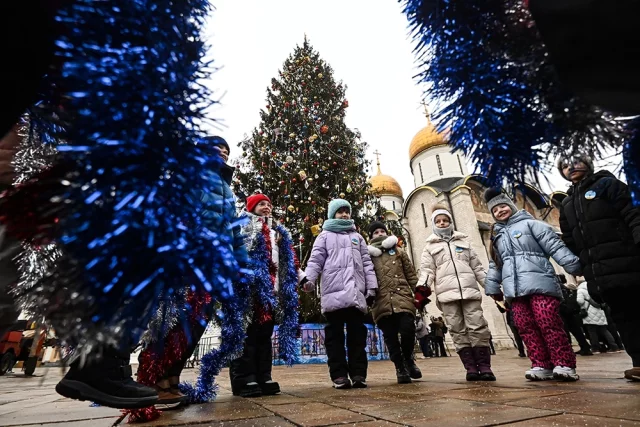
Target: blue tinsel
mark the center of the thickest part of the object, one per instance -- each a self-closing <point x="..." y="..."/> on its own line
<point x="129" y="223"/>
<point x="260" y="259"/>
<point x="631" y="157"/>
<point x="288" y="345"/>
<point x="484" y="65"/>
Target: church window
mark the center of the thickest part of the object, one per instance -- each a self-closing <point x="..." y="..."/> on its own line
<point x="424" y="216"/>
<point x="394" y="205"/>
<point x="421" y="177"/>
<point x="439" y="164"/>
<point x="460" y="164"/>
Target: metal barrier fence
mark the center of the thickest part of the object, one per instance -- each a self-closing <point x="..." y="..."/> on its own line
<point x="312" y="348"/>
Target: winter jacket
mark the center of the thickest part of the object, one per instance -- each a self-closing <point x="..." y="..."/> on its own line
<point x="452" y="267"/>
<point x="600" y="225"/>
<point x="421" y="327"/>
<point x="220" y="199"/>
<point x="524" y="246"/>
<point x="595" y="316"/>
<point x="343" y="261"/>
<point x="396" y="278"/>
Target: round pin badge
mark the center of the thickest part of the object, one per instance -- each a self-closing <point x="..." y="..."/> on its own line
<point x="589" y="195"/>
<point x="517" y="234"/>
<point x="354" y="241"/>
<point x="459" y="250"/>
<point x="392" y="252"/>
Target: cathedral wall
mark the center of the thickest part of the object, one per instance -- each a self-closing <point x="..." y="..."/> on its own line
<point x="437" y="163"/>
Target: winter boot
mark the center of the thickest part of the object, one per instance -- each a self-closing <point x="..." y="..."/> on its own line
<point x="482" y="356"/>
<point x="401" y="372"/>
<point x="107" y="382"/>
<point x="466" y="356"/>
<point x="251" y="389"/>
<point x="270" y="388"/>
<point x="412" y="368"/>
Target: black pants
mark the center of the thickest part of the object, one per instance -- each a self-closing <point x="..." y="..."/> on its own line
<point x="597" y="332"/>
<point x="425" y="346"/>
<point x="356" y="343"/>
<point x="517" y="338"/>
<point x="613" y="329"/>
<point x="441" y="349"/>
<point x="573" y="326"/>
<point x="624" y="311"/>
<point x="404" y="325"/>
<point x="256" y="361"/>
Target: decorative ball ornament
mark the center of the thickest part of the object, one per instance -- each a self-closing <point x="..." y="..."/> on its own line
<point x="291" y="208"/>
<point x="324" y="129"/>
<point x="342" y="195"/>
<point x="320" y="75"/>
<point x="292" y="135"/>
<point x="289" y="159"/>
<point x="349" y="189"/>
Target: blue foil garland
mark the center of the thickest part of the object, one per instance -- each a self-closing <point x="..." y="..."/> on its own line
<point x="288" y="345"/>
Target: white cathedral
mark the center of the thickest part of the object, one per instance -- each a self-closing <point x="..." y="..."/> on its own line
<point x="441" y="176"/>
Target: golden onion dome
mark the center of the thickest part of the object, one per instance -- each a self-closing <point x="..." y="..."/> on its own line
<point x="384" y="185"/>
<point x="428" y="137"/>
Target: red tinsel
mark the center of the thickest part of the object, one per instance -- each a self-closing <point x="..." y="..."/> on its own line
<point x="153" y="365"/>
<point x="263" y="314"/>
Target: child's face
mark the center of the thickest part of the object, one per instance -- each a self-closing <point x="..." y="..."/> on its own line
<point x="575" y="171"/>
<point x="224" y="152"/>
<point x="442" y="221"/>
<point x="379" y="232"/>
<point x="343" y="213"/>
<point x="502" y="212"/>
<point x="263" y="208"/>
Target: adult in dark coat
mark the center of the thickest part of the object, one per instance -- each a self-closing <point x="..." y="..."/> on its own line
<point x="600" y="224"/>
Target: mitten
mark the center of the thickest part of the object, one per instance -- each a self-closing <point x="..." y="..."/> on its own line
<point x="422" y="297"/>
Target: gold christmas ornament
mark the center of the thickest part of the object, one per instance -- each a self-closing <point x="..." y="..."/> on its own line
<point x="315" y="230"/>
<point x="291" y="208"/>
<point x="349" y="189"/>
<point x="342" y="195"/>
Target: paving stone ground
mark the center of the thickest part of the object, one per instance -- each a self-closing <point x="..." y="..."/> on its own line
<point x="602" y="398"/>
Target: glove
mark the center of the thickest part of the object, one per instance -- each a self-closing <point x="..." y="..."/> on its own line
<point x="422" y="297"/>
<point x="497" y="297"/>
<point x="307" y="286"/>
<point x="371" y="298"/>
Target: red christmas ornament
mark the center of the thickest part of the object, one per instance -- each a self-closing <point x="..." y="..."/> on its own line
<point x="294" y="180"/>
<point x="313" y="202"/>
<point x="304" y="151"/>
<point x="335" y="164"/>
<point x="286" y="104"/>
<point x="306" y="110"/>
<point x="324" y="129"/>
<point x="345" y="104"/>
<point x="318" y="121"/>
<point x="316" y="104"/>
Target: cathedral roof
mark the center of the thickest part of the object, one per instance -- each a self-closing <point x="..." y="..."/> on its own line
<point x="385" y="185"/>
<point x="427" y="137"/>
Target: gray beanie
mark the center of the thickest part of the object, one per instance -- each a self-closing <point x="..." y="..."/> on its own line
<point x="495" y="197"/>
<point x="584" y="158"/>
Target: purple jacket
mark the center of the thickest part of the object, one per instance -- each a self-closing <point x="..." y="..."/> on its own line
<point x="343" y="261"/>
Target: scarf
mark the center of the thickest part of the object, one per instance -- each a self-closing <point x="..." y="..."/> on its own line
<point x="444" y="233"/>
<point x="338" y="225"/>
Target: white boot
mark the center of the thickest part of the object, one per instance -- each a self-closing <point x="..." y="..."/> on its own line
<point x="538" y="374"/>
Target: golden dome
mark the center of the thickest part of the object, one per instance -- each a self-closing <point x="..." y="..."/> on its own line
<point x="384" y="185"/>
<point x="427" y="138"/>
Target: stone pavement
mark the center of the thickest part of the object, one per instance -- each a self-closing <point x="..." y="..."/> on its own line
<point x="602" y="398"/>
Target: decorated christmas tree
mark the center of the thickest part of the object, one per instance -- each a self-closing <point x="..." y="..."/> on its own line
<point x="302" y="154"/>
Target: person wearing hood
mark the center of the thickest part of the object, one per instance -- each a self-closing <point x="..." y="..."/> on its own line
<point x="594" y="319"/>
<point x="520" y="250"/>
<point x="601" y="225"/>
<point x="451" y="267"/>
<point x="348" y="287"/>
<point x="250" y="374"/>
<point x="394" y="310"/>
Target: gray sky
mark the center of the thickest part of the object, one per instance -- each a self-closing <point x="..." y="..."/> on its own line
<point x="365" y="41"/>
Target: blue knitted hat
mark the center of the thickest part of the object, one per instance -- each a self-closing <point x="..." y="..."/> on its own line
<point x="336" y="204"/>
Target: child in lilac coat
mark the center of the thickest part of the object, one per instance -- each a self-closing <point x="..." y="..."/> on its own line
<point x="348" y="286"/>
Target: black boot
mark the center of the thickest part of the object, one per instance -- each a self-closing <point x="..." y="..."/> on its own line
<point x="412" y="368"/>
<point x="402" y="373"/>
<point x="251" y="389"/>
<point x="269" y="388"/>
<point x="107" y="382"/>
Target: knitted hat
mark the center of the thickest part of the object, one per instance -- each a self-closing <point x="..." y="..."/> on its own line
<point x="578" y="157"/>
<point x="440" y="210"/>
<point x="252" y="201"/>
<point x="335" y="205"/>
<point x="495" y="196"/>
<point x="376" y="225"/>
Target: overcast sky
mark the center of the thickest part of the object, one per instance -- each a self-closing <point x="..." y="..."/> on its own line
<point x="365" y="41"/>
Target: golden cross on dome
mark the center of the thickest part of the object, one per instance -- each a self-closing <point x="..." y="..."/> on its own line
<point x="426" y="112"/>
<point x="378" y="154"/>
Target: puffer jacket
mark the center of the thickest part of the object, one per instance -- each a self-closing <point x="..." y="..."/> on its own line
<point x="218" y="200"/>
<point x="595" y="316"/>
<point x="600" y="224"/>
<point x="452" y="267"/>
<point x="343" y="261"/>
<point x="396" y="278"/>
<point x="523" y="246"/>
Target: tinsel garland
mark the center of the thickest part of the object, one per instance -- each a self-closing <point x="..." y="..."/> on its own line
<point x="631" y="158"/>
<point x="261" y="264"/>
<point x="119" y="196"/>
<point x="288" y="302"/>
<point x="158" y="357"/>
<point x="233" y="327"/>
<point x="496" y="93"/>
